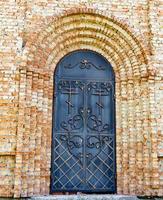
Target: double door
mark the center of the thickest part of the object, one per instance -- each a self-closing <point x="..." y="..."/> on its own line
<point x="83" y="149"/>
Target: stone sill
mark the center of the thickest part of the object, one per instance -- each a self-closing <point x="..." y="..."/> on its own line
<point x="85" y="197"/>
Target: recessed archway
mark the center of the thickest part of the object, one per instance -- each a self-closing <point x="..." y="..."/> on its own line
<point x="85" y="29"/>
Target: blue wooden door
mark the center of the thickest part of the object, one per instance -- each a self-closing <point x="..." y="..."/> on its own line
<point x="83" y="140"/>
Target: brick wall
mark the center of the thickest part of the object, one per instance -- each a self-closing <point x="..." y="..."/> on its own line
<point x="34" y="35"/>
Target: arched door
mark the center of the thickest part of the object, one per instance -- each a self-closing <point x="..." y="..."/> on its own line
<point x="83" y="141"/>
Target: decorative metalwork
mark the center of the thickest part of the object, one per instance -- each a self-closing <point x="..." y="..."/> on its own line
<point x="85" y="64"/>
<point x="83" y="153"/>
<point x="74" y="123"/>
<point x="95" y="124"/>
<point x="73" y="143"/>
<point x="69" y="88"/>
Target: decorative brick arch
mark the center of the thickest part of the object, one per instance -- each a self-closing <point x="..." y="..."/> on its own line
<point x="86" y="29"/>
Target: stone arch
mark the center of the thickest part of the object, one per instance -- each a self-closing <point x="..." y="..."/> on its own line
<point x="84" y="29"/>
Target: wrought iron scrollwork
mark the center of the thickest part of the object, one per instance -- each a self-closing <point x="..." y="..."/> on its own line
<point x="96" y="124"/>
<point x="85" y="64"/>
<point x="100" y="88"/>
<point x="77" y="122"/>
<point x="84" y="119"/>
<point x="65" y="85"/>
<point x="95" y="144"/>
<point x="74" y="123"/>
<point x="72" y="141"/>
<point x="74" y="145"/>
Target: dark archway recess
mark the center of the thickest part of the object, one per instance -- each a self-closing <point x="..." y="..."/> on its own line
<point x="83" y="138"/>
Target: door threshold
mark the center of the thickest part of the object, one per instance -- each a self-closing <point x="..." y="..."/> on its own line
<point x="85" y="197"/>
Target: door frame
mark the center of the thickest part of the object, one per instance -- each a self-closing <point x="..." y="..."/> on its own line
<point x="53" y="117"/>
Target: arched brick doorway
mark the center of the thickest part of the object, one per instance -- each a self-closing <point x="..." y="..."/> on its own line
<point x="87" y="29"/>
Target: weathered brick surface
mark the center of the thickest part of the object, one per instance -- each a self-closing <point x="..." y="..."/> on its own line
<point x="7" y="166"/>
<point x="34" y="36"/>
